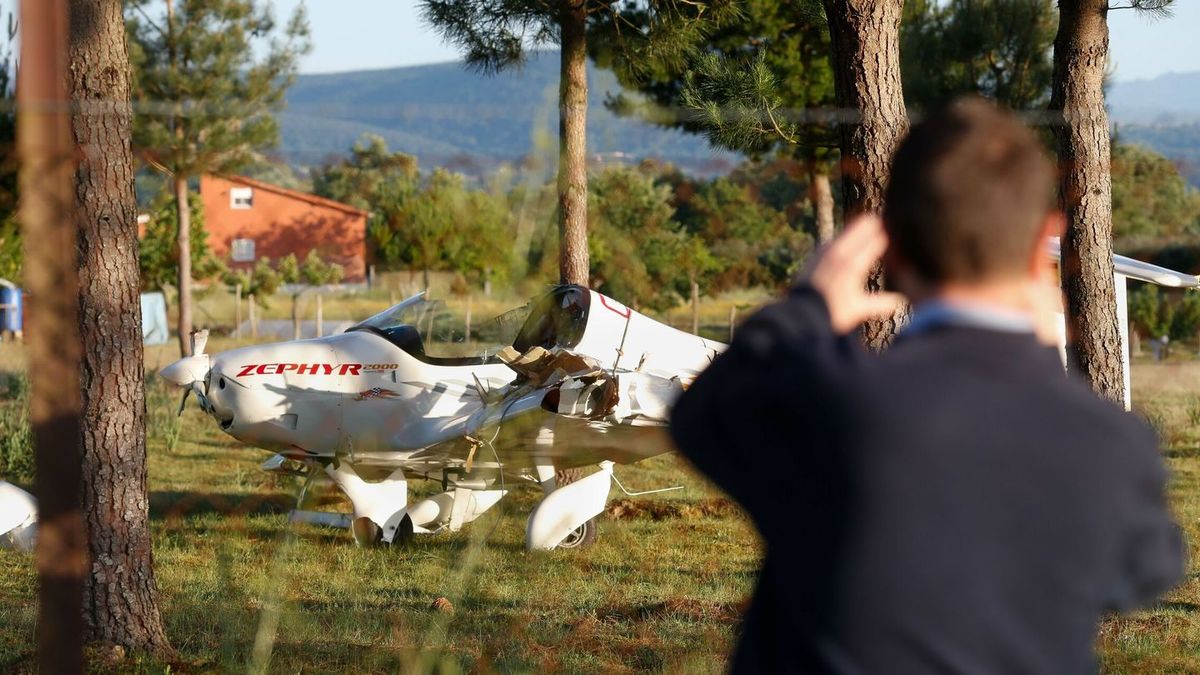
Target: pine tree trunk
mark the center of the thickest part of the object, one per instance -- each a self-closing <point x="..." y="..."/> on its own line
<point x="572" y="147"/>
<point x="120" y="595"/>
<point x="45" y="153"/>
<point x="183" y="241"/>
<point x="821" y="195"/>
<point x="865" y="42"/>
<point x="573" y="263"/>
<point x="1082" y="135"/>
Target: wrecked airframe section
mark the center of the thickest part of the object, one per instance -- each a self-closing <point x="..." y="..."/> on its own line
<point x="578" y="386"/>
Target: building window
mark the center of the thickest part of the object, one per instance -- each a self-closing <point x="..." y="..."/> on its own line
<point x="242" y="250"/>
<point x="241" y="197"/>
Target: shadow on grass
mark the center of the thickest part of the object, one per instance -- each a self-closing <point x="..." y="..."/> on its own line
<point x="174" y="504"/>
<point x="1179" y="606"/>
<point x="1185" y="452"/>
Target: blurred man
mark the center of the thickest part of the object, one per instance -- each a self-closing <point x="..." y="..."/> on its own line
<point x="956" y="504"/>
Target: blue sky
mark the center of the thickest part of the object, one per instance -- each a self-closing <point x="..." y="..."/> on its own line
<point x="365" y="34"/>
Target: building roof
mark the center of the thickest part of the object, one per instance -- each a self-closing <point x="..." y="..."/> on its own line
<point x="295" y="194"/>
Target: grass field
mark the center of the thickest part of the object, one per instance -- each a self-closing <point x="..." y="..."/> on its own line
<point x="661" y="591"/>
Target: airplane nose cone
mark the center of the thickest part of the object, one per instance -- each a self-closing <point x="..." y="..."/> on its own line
<point x="219" y="395"/>
<point x="186" y="370"/>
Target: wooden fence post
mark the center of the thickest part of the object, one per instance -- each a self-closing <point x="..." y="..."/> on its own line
<point x="695" y="308"/>
<point x="295" y="316"/>
<point x="467" y="339"/>
<point x="237" y="312"/>
<point x="320" y="317"/>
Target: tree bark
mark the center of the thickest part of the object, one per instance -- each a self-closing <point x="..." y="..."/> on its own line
<point x="183" y="241"/>
<point x="865" y="43"/>
<point x="46" y="163"/>
<point x="573" y="264"/>
<point x="1085" y="194"/>
<point x="120" y="594"/>
<point x="821" y="195"/>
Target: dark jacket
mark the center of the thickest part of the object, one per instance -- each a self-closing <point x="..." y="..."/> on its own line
<point x="954" y="505"/>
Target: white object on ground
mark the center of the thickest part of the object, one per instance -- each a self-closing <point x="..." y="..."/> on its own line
<point x="18" y="518"/>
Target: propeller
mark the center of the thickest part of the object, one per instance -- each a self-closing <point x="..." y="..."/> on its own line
<point x="189" y="371"/>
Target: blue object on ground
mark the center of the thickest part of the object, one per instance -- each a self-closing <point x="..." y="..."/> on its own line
<point x="10" y="307"/>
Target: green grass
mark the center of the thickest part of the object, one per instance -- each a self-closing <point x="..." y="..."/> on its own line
<point x="661" y="590"/>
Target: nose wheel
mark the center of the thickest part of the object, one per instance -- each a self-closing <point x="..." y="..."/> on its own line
<point x="366" y="533"/>
<point x="581" y="537"/>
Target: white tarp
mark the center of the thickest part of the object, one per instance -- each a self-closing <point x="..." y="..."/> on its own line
<point x="154" y="319"/>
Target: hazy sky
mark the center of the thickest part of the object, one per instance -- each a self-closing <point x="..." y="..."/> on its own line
<point x="363" y="34"/>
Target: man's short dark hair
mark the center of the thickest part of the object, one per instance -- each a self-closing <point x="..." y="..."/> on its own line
<point x="970" y="190"/>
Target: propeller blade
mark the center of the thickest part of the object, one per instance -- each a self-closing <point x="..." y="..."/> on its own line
<point x="183" y="401"/>
<point x="199" y="341"/>
<point x="187" y="370"/>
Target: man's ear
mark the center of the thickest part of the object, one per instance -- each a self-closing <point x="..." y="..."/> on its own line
<point x="1054" y="225"/>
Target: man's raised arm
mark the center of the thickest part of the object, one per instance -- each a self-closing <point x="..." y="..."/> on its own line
<point x="742" y="421"/>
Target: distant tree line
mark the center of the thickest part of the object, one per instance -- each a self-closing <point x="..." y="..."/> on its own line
<point x="652" y="230"/>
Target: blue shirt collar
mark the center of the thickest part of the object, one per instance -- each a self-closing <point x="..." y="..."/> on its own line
<point x="937" y="313"/>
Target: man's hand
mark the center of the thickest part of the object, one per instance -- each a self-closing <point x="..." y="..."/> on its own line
<point x="839" y="273"/>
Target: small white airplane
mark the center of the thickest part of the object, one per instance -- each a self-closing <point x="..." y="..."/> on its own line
<point x="587" y="382"/>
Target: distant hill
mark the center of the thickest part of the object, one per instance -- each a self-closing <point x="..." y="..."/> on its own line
<point x="449" y="116"/>
<point x="1163" y="114"/>
<point x="1170" y="99"/>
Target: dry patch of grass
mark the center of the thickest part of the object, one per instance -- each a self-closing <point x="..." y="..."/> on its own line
<point x="632" y="509"/>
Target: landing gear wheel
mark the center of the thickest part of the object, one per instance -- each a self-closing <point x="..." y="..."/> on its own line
<point x="581" y="537"/>
<point x="404" y="532"/>
<point x="366" y="532"/>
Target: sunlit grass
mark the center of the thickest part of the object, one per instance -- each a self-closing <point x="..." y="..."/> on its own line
<point x="662" y="589"/>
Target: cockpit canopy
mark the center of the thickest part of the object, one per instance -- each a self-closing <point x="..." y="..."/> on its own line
<point x="557" y="319"/>
<point x="432" y="332"/>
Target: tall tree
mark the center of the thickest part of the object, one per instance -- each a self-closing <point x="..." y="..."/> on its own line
<point x="208" y="76"/>
<point x="495" y="35"/>
<point x="1081" y="132"/>
<point x="46" y="155"/>
<point x="761" y="88"/>
<point x="865" y="41"/>
<point x="1000" y="49"/>
<point x="120" y="603"/>
<point x="360" y="178"/>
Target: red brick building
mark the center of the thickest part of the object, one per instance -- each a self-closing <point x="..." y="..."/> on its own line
<point x="248" y="219"/>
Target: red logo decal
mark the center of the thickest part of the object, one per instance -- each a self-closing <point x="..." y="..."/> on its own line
<point x="300" y="369"/>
